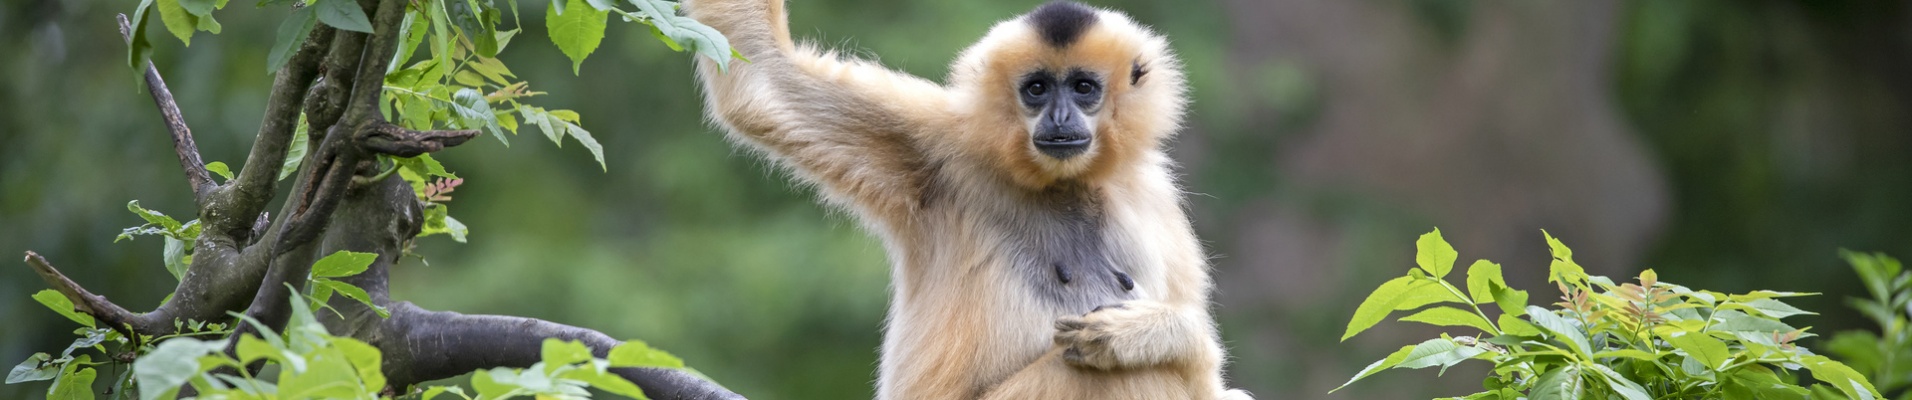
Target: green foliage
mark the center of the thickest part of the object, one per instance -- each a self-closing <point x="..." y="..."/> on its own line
<point x="1886" y="356"/>
<point x="577" y="32"/>
<point x="338" y="265"/>
<point x="179" y="237"/>
<point x="1632" y="341"/>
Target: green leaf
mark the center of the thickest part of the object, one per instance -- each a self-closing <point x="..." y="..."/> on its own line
<point x="199" y="7"/>
<point x="1561" y="328"/>
<point x="1699" y="347"/>
<point x="1434" y="255"/>
<point x="1389" y="362"/>
<point x="577" y="29"/>
<point x="1510" y="301"/>
<point x="292" y="32"/>
<point x="75" y="381"/>
<point x="439" y="221"/>
<point x="364" y="358"/>
<point x="295" y="152"/>
<point x="1481" y="278"/>
<point x="171" y="364"/>
<point x="328" y="375"/>
<point x="636" y="353"/>
<point x="1734" y="321"/>
<point x="557" y="353"/>
<point x="1562" y="269"/>
<point x="1511" y="324"/>
<point x="1627" y="353"/>
<point x="353" y="292"/>
<point x="476" y="24"/>
<point x="662" y="15"/>
<point x="489" y="384"/>
<point x="139" y="48"/>
<point x="342" y="14"/>
<point x="60" y="304"/>
<point x="1627" y="389"/>
<point x="1564" y="383"/>
<point x="603" y="380"/>
<point x="35" y="368"/>
<point x="252" y="348"/>
<point x="342" y="264"/>
<point x="181" y="23"/>
<point x="1775" y="308"/>
<point x="219" y="167"/>
<point x="175" y="258"/>
<point x="154" y="217"/>
<point x="1850" y="382"/>
<point x="434" y="391"/>
<point x="1443" y="352"/>
<point x="1450" y="316"/>
<point x="474" y="112"/>
<point x="1377" y="306"/>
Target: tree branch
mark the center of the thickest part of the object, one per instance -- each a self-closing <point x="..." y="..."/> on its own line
<point x="386" y="138"/>
<point x="241" y="203"/>
<point x="421" y="345"/>
<point x="92" y="304"/>
<point x="196" y="174"/>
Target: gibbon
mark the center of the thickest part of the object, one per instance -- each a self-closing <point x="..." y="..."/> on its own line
<point x="1039" y="245"/>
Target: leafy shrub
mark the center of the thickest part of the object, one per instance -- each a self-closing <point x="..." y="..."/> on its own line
<point x="1885" y="356"/>
<point x="311" y="362"/>
<point x="1633" y="341"/>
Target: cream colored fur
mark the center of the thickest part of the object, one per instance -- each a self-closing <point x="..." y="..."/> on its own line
<point x="946" y="176"/>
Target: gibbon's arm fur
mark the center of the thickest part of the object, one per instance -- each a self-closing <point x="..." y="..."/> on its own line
<point x="849" y="126"/>
<point x="1038" y="237"/>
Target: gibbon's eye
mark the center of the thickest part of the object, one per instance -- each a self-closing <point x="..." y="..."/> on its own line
<point x="1035" y="89"/>
<point x="1085" y="87"/>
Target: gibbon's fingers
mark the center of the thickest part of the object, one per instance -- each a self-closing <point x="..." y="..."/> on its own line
<point x="1237" y="394"/>
<point x="1135" y="333"/>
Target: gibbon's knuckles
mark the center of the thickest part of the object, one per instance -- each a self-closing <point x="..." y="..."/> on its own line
<point x="1037" y="237"/>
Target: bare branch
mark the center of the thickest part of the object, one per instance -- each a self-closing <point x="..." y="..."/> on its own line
<point x="196" y="174"/>
<point x="386" y="138"/>
<point x="112" y="315"/>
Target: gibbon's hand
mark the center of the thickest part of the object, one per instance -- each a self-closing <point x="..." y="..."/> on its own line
<point x="1134" y="333"/>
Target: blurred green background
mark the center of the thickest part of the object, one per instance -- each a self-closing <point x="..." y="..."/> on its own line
<point x="1731" y="145"/>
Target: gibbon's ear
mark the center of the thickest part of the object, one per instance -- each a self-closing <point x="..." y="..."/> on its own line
<point x="1136" y="70"/>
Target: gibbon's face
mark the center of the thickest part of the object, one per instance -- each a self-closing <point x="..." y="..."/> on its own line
<point x="1068" y="91"/>
<point x="1061" y="96"/>
<point x="1060" y="107"/>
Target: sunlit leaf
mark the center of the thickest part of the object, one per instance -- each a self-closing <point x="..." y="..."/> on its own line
<point x="59" y="303"/>
<point x="1434" y="255"/>
<point x="636" y="353"/>
<point x="1449" y="316"/>
<point x="220" y="168"/>
<point x="576" y="29"/>
<point x="342" y="264"/>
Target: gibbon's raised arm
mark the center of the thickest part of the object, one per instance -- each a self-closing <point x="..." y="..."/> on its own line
<point x="850" y="126"/>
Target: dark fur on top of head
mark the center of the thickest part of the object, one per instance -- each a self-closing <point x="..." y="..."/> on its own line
<point x="1062" y="22"/>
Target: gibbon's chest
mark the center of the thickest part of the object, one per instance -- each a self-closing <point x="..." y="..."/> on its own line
<point x="1058" y="249"/>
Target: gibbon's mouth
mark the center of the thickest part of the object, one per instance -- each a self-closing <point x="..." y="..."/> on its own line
<point x="1062" y="146"/>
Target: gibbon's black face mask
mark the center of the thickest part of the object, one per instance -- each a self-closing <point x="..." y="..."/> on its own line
<point x="1062" y="108"/>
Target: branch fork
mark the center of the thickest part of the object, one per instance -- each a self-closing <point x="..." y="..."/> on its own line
<point x="245" y="259"/>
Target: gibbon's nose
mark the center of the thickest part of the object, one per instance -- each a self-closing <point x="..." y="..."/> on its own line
<point x="1062" y="135"/>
